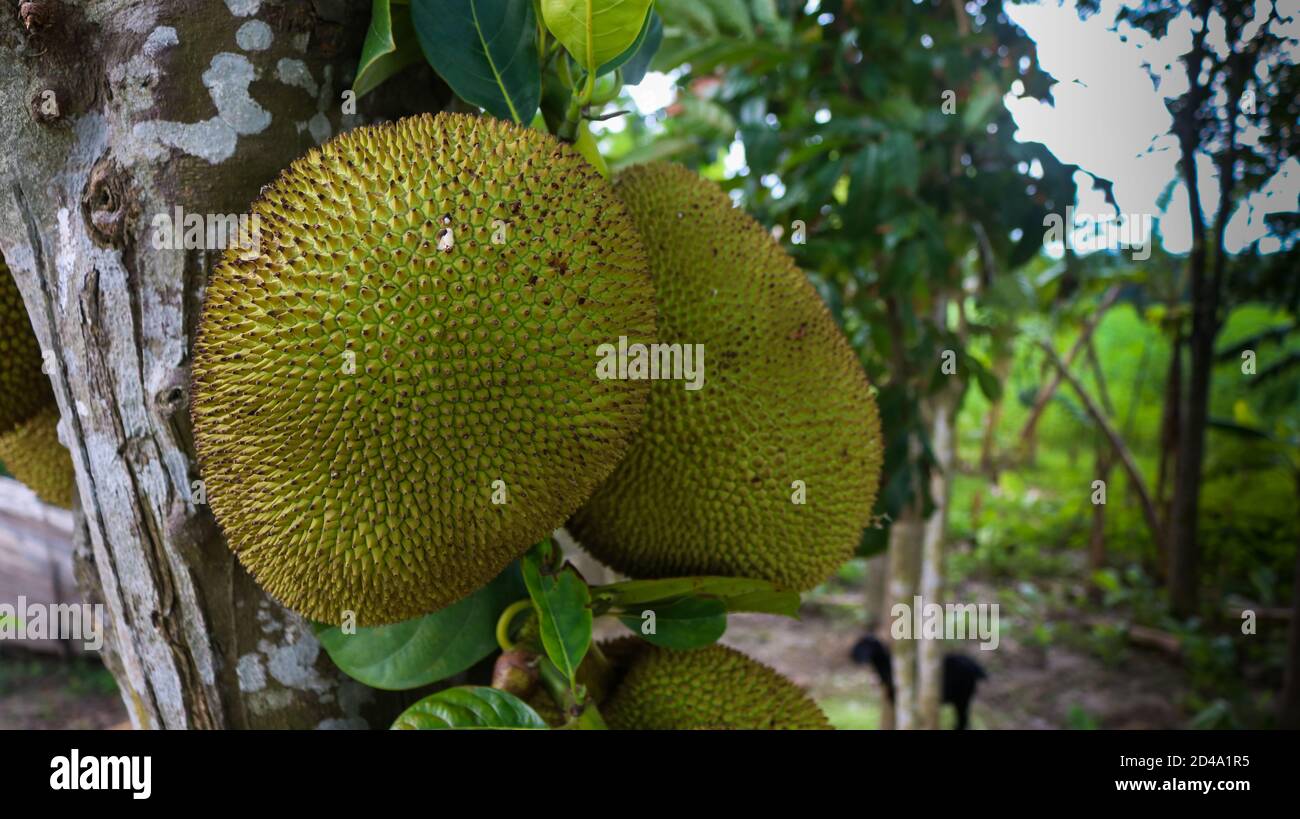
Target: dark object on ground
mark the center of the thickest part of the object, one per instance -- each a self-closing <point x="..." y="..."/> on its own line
<point x="960" y="674"/>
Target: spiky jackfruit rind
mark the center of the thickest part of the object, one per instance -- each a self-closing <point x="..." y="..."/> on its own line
<point x="420" y="322"/>
<point x="709" y="688"/>
<point x="24" y="389"/>
<point x="708" y="487"/>
<point x="33" y="455"/>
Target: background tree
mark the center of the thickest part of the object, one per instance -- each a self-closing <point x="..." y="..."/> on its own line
<point x="1239" y="111"/>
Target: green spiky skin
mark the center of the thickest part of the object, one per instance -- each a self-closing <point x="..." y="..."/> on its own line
<point x="33" y="455"/>
<point x="24" y="389"/>
<point x="707" y="488"/>
<point x="709" y="688"/>
<point x="371" y="491"/>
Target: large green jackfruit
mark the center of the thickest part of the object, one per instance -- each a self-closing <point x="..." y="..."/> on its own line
<point x="33" y="455"/>
<point x="785" y="413"/>
<point x="24" y="389"/>
<point x="709" y="688"/>
<point x="413" y="341"/>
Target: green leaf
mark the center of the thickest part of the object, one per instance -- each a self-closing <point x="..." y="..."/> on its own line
<point x="784" y="603"/>
<point x="586" y="145"/>
<point x="486" y="50"/>
<point x="595" y="32"/>
<point x="469" y="706"/>
<point x="737" y="593"/>
<point x="564" y="615"/>
<point x="429" y="648"/>
<point x="635" y="60"/>
<point x="682" y="624"/>
<point x="390" y="46"/>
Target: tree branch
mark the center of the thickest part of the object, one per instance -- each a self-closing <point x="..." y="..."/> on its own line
<point x="1117" y="443"/>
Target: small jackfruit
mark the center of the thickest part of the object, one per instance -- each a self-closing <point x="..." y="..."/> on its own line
<point x="33" y="455"/>
<point x="24" y="389"/>
<point x="770" y="469"/>
<point x="395" y="394"/>
<point x="715" y="687"/>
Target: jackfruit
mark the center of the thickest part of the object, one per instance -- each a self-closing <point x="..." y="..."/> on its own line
<point x="770" y="469"/>
<point x="33" y="455"/>
<point x="715" y="687"/>
<point x="24" y="389"/>
<point x="395" y="395"/>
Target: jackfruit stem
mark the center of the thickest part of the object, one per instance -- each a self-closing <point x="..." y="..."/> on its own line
<point x="507" y="617"/>
<point x="579" y="709"/>
<point x="568" y="130"/>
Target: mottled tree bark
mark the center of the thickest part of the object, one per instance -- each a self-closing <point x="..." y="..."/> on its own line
<point x="116" y="111"/>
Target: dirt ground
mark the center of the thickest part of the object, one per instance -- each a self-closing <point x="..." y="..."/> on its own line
<point x="1028" y="686"/>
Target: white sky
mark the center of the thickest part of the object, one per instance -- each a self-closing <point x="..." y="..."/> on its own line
<point x="1108" y="118"/>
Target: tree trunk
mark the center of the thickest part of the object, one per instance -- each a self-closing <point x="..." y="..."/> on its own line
<point x="117" y="111"/>
<point x="873" y="593"/>
<point x="943" y="442"/>
<point x="904" y="574"/>
<point x="1184" y="548"/>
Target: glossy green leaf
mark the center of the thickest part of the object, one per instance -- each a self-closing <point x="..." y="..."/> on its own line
<point x="564" y="614"/>
<point x="595" y="32"/>
<point x="469" y="706"/>
<point x="390" y="46"/>
<point x="737" y="593"/>
<point x="635" y="60"/>
<point x="682" y="624"/>
<point x="425" y="649"/>
<point x="486" y="50"/>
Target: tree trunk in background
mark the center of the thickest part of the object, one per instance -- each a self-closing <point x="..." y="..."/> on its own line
<point x="1205" y="285"/>
<point x="943" y="442"/>
<point x="904" y="575"/>
<point x="1168" y="450"/>
<point x="1185" y="550"/>
<point x="117" y="111"/>
<point x="873" y="593"/>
